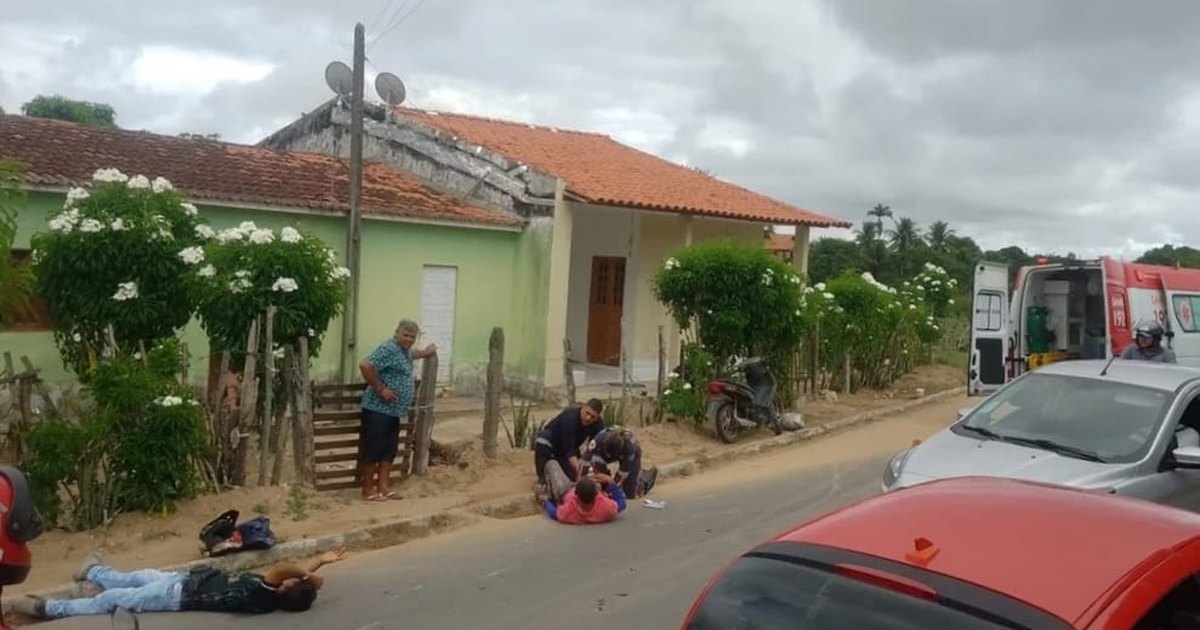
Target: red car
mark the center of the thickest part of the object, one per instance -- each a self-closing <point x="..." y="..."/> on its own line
<point x="968" y="554"/>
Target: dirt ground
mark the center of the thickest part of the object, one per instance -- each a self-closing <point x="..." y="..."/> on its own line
<point x="141" y="540"/>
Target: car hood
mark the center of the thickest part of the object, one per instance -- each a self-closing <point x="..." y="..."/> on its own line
<point x="947" y="454"/>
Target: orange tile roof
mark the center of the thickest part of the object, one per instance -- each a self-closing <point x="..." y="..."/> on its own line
<point x="781" y="242"/>
<point x="601" y="170"/>
<point x="59" y="153"/>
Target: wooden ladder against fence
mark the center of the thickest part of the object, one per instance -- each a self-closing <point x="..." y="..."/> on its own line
<point x="336" y="423"/>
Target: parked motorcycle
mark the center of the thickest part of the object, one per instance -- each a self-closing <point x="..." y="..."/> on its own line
<point x="738" y="406"/>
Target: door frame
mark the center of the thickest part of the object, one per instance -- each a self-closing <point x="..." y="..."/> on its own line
<point x="620" y="320"/>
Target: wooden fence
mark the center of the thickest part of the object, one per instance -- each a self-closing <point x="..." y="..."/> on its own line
<point x="336" y="430"/>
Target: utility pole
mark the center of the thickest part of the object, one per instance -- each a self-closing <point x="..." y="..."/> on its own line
<point x="354" y="228"/>
<point x="344" y="82"/>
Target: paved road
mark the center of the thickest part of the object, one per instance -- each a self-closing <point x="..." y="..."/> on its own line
<point x="641" y="572"/>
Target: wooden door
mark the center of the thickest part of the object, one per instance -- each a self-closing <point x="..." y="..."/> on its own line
<point x="604" y="310"/>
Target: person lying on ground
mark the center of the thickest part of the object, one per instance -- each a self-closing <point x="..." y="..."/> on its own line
<point x="561" y="438"/>
<point x="617" y="445"/>
<point x="583" y="504"/>
<point x="287" y="587"/>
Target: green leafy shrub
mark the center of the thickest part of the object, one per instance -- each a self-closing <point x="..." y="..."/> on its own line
<point x="686" y="395"/>
<point x="137" y="449"/>
<point x="114" y="257"/>
<point x="738" y="300"/>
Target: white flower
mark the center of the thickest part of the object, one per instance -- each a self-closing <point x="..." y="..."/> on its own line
<point x="137" y="355"/>
<point x="192" y="255"/>
<point x="795" y="279"/>
<point x="672" y="263"/>
<point x="109" y="175"/>
<point x="332" y="256"/>
<point x="242" y="273"/>
<point x="339" y="273"/>
<point x="674" y="375"/>
<point x="35" y="256"/>
<point x="138" y="181"/>
<point x="169" y="401"/>
<point x="205" y="232"/>
<point x="247" y="227"/>
<point x="126" y="291"/>
<point x="797" y="312"/>
<point x="118" y="224"/>
<point x="76" y="194"/>
<point x="912" y="307"/>
<point x="229" y="235"/>
<point x="950" y="301"/>
<point x="687" y="385"/>
<point x="827" y="295"/>
<point x="289" y="235"/>
<point x="286" y="285"/>
<point x="90" y="225"/>
<point x="262" y="236"/>
<point x="312" y="333"/>
<point x="77" y="337"/>
<point x="239" y="285"/>
<point x="820" y="286"/>
<point x="666" y="392"/>
<point x="207" y="271"/>
<point x="65" y="222"/>
<point x="279" y="353"/>
<point x="160" y="184"/>
<point x="189" y="209"/>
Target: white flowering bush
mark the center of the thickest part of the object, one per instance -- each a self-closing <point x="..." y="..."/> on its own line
<point x="881" y="328"/>
<point x="933" y="287"/>
<point x="111" y="257"/>
<point x="685" y="395"/>
<point x="240" y="271"/>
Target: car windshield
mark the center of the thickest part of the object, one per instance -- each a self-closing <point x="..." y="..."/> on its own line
<point x="1088" y="418"/>
<point x="766" y="593"/>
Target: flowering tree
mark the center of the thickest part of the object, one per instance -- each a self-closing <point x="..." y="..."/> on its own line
<point x="113" y="257"/>
<point x="241" y="271"/>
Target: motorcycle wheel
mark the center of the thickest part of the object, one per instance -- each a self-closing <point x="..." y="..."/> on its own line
<point x="726" y="424"/>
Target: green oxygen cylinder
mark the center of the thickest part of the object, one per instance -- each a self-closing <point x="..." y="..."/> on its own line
<point x="1037" y="325"/>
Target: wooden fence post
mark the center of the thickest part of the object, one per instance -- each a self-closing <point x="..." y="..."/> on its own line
<point x="264" y="439"/>
<point x="662" y="376"/>
<point x="247" y="402"/>
<point x="568" y="373"/>
<point x="424" y="422"/>
<point x="495" y="384"/>
<point x="303" y="447"/>
<point x="289" y="365"/>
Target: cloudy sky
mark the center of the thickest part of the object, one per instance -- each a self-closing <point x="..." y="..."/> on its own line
<point x="1052" y="124"/>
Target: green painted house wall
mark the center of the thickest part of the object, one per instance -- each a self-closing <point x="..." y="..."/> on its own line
<point x="501" y="282"/>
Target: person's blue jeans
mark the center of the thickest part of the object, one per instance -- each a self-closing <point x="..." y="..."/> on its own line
<point x="138" y="591"/>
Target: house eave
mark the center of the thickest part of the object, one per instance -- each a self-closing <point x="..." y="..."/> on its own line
<point x="321" y="212"/>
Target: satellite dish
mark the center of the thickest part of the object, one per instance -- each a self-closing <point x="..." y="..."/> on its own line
<point x="340" y="78"/>
<point x="390" y="88"/>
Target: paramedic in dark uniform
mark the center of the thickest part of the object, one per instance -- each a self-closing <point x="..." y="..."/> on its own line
<point x="1147" y="345"/>
<point x="562" y="437"/>
<point x="617" y="445"/>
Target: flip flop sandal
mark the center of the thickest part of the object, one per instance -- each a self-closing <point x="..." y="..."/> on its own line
<point x="376" y="497"/>
<point x="391" y="496"/>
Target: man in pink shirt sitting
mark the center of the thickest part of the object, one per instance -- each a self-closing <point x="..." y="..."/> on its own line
<point x="585" y="503"/>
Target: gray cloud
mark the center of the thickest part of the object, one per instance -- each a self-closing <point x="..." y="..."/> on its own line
<point x="1053" y="124"/>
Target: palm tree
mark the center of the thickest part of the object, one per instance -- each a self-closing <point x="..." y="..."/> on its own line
<point x="880" y="211"/>
<point x="905" y="241"/>
<point x="939" y="236"/>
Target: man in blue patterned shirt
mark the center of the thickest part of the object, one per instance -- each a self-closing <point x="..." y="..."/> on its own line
<point x="390" y="389"/>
